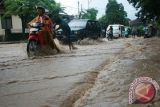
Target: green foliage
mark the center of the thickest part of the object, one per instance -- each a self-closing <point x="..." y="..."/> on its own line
<point x="158" y="23"/>
<point x="26" y="9"/>
<point x="18" y="7"/>
<point x="115" y="14"/>
<point x="103" y="22"/>
<point x="148" y="9"/>
<point x="53" y="7"/>
<point x="90" y="14"/>
<point x="140" y="29"/>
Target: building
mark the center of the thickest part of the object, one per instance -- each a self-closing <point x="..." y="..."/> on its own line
<point x="8" y="25"/>
<point x="11" y="27"/>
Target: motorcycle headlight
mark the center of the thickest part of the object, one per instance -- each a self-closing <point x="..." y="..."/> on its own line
<point x="34" y="24"/>
<point x="59" y="33"/>
<point x="34" y="30"/>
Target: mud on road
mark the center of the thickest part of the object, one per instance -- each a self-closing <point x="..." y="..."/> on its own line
<point x="140" y="58"/>
<point x="48" y="80"/>
<point x="96" y="75"/>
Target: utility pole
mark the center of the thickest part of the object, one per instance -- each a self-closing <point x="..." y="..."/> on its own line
<point x="89" y="1"/>
<point x="88" y="4"/>
<point x="81" y="8"/>
<point x="78" y="7"/>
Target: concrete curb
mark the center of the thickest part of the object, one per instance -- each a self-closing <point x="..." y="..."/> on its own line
<point x="12" y="42"/>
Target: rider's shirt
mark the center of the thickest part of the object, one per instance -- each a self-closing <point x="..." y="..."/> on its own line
<point x="46" y="20"/>
<point x="48" y="26"/>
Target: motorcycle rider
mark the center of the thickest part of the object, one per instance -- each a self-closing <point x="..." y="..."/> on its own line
<point x="110" y="31"/>
<point x="46" y="36"/>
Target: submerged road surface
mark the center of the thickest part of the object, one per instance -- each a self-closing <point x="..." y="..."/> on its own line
<point x="96" y="75"/>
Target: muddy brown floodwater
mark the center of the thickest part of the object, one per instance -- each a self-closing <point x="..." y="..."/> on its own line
<point x="140" y="58"/>
<point x="95" y="75"/>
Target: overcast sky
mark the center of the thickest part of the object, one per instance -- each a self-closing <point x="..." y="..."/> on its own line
<point x="100" y="5"/>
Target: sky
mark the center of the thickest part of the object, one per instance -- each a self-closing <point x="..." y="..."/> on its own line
<point x="100" y="5"/>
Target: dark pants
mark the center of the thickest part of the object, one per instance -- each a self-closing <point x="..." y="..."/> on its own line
<point x="68" y="39"/>
<point x="110" y="36"/>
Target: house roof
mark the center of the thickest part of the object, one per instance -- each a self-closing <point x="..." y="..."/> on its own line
<point x="135" y="22"/>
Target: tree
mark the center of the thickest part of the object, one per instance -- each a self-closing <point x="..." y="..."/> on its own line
<point x="147" y="8"/>
<point x="103" y="22"/>
<point x="53" y="7"/>
<point x="25" y="9"/>
<point x="115" y="14"/>
<point x="90" y="14"/>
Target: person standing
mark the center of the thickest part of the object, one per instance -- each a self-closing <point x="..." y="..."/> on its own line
<point x="66" y="31"/>
<point x="134" y="32"/>
<point x="145" y="32"/>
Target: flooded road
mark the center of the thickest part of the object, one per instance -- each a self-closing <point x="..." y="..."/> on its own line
<point x="140" y="58"/>
<point x="96" y="75"/>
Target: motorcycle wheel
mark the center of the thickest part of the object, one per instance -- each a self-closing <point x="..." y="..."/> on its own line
<point x="32" y="48"/>
<point x="108" y="37"/>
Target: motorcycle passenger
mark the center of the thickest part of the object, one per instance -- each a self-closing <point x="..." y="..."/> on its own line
<point x="46" y="34"/>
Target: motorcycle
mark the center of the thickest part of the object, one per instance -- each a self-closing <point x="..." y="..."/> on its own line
<point x="36" y="39"/>
<point x="109" y="36"/>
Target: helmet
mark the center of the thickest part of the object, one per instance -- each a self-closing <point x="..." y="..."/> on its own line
<point x="41" y="8"/>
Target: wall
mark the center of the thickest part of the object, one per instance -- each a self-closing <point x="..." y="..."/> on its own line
<point x="1" y="30"/>
<point x="16" y="30"/>
<point x="2" y="33"/>
<point x="16" y="24"/>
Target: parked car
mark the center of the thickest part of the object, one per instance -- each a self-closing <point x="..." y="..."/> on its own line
<point x="82" y="28"/>
<point x="118" y="30"/>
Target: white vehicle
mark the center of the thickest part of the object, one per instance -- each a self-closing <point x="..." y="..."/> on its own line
<point x="118" y="30"/>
